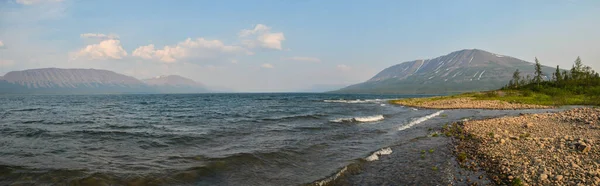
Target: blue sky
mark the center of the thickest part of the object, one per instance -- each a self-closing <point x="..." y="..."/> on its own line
<point x="264" y="46"/>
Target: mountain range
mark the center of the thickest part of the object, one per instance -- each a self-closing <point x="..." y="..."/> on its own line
<point x="91" y="81"/>
<point x="461" y="71"/>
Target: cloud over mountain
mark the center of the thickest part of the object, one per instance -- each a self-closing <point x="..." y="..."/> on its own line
<point x="190" y="48"/>
<point x="107" y="49"/>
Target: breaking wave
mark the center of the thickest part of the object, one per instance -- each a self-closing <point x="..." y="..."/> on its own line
<point x="359" y="119"/>
<point x="356" y="101"/>
<point x="420" y="120"/>
<point x="375" y="156"/>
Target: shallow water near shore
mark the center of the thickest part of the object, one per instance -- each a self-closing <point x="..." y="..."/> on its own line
<point x="212" y="139"/>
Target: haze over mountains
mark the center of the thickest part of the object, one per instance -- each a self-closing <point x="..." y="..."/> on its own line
<point x="91" y="81"/>
<point x="461" y="71"/>
<point x="175" y="84"/>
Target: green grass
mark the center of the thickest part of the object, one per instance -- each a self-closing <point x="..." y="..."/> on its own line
<point x="462" y="156"/>
<point x="434" y="168"/>
<point x="539" y="98"/>
<point x="546" y="97"/>
<point x="430" y="150"/>
<point x="517" y="182"/>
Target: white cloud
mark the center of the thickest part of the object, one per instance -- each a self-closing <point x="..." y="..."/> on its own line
<point x="234" y="61"/>
<point x="261" y="36"/>
<point x="32" y="2"/>
<point x="99" y="36"/>
<point x="107" y="49"/>
<point x="343" y="67"/>
<point x="267" y="65"/>
<point x="197" y="48"/>
<point x="6" y="63"/>
<point x="1" y="44"/>
<point x="304" y="59"/>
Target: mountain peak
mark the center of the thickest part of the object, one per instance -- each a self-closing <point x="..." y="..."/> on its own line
<point x="458" y="71"/>
<point x="171" y="80"/>
<point x="57" y="77"/>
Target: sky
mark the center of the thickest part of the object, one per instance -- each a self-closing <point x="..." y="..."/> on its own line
<point x="286" y="46"/>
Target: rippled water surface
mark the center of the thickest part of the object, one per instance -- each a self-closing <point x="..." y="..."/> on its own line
<point x="200" y="139"/>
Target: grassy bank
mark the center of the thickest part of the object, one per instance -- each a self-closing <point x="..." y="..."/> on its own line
<point x="534" y="98"/>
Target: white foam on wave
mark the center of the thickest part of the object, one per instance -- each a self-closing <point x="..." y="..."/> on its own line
<point x="375" y="156"/>
<point x="355" y="101"/>
<point x="331" y="178"/>
<point x="420" y="120"/>
<point x="369" y="118"/>
<point x="360" y="119"/>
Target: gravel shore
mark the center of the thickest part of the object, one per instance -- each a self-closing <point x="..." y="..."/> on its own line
<point x="464" y="103"/>
<point x="533" y="149"/>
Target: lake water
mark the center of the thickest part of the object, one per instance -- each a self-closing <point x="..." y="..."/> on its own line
<point x="196" y="139"/>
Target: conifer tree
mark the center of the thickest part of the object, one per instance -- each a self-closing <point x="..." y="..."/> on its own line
<point x="557" y="76"/>
<point x="516" y="79"/>
<point x="577" y="69"/>
<point x="538" y="72"/>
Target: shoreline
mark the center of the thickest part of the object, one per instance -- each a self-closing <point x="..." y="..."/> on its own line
<point x="532" y="149"/>
<point x="428" y="153"/>
<point x="452" y="103"/>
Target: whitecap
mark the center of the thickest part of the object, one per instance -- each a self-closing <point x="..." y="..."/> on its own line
<point x="420" y="120"/>
<point x="360" y="119"/>
<point x="375" y="156"/>
<point x="356" y="101"/>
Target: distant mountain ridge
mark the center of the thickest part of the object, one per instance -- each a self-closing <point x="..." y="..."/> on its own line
<point x="175" y="84"/>
<point x="90" y="81"/>
<point x="461" y="71"/>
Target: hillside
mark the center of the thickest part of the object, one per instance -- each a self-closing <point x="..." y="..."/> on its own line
<point x="175" y="84"/>
<point x="91" y="81"/>
<point x="461" y="71"/>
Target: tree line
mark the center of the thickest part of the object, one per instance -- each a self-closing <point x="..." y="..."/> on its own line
<point x="581" y="79"/>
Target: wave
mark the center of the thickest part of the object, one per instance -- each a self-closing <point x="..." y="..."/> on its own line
<point x="375" y="156"/>
<point x="359" y="119"/>
<point x="332" y="178"/>
<point x="300" y="116"/>
<point x="26" y="110"/>
<point x="420" y="120"/>
<point x="355" y="101"/>
<point x="352" y="167"/>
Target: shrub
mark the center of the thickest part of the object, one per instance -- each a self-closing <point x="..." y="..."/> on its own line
<point x="462" y="156"/>
<point x="517" y="182"/>
<point x="491" y="94"/>
<point x="527" y="93"/>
